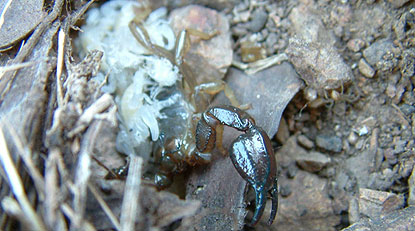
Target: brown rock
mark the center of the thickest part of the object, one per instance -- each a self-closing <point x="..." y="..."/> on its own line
<point x="207" y="58"/>
<point x="400" y="220"/>
<point x="373" y="203"/>
<point x="319" y="64"/>
<point x="312" y="161"/>
<point x="307" y="208"/>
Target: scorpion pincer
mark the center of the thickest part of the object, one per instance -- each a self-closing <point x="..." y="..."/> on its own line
<point x="251" y="153"/>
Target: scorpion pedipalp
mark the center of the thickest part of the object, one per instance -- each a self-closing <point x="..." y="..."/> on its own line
<point x="251" y="153"/>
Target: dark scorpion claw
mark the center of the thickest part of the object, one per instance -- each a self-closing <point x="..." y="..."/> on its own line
<point x="251" y="153"/>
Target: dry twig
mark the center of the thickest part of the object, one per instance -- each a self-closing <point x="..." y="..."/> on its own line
<point x="83" y="173"/>
<point x="104" y="206"/>
<point x="130" y="208"/>
<point x="16" y="185"/>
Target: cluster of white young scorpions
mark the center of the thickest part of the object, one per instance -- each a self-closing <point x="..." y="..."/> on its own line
<point x="191" y="142"/>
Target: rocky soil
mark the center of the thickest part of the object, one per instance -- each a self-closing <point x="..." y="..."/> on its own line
<point x="346" y="141"/>
<point x="331" y="81"/>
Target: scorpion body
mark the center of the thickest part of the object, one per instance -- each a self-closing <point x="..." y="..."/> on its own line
<point x="184" y="143"/>
<point x="182" y="132"/>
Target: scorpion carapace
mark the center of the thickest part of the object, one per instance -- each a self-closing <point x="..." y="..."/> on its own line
<point x="251" y="153"/>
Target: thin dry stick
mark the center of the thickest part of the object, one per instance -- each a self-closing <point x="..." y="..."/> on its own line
<point x="88" y="115"/>
<point x="130" y="204"/>
<point x="14" y="67"/>
<point x="82" y="174"/>
<point x="104" y="206"/>
<point x="67" y="210"/>
<point x="59" y="66"/>
<point x="51" y="203"/>
<point x="26" y="155"/>
<point x="12" y="207"/>
<point x="3" y="12"/>
<point x="17" y="186"/>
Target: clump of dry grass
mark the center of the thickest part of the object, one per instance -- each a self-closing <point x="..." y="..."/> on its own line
<point x="52" y="179"/>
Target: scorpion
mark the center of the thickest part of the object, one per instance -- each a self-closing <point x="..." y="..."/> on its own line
<point x="189" y="133"/>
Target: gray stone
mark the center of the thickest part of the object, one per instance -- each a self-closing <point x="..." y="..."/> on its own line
<point x="308" y="26"/>
<point x="329" y="143"/>
<point x="259" y="18"/>
<point x="360" y="166"/>
<point x="375" y="52"/>
<point x="292" y="171"/>
<point x="285" y="190"/>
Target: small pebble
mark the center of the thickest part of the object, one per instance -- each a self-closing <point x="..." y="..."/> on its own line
<point x="375" y="52"/>
<point x="391" y="90"/>
<point x="329" y="143"/>
<point x="305" y="141"/>
<point x="310" y="94"/>
<point x="359" y="144"/>
<point x="355" y="45"/>
<point x="259" y="18"/>
<point x="366" y="69"/>
<point x="285" y="190"/>
<point x="363" y="130"/>
<point x="313" y="161"/>
<point x="292" y="171"/>
<point x="407" y="109"/>
<point x="328" y="172"/>
<point x="352" y="138"/>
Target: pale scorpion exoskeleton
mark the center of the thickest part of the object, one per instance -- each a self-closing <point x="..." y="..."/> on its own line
<point x="184" y="142"/>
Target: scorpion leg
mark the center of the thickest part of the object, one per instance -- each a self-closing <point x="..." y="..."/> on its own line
<point x="215" y="87"/>
<point x="183" y="44"/>
<point x="142" y="37"/>
<point x="219" y="135"/>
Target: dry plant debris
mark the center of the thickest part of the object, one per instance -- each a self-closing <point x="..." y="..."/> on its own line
<point x="73" y="124"/>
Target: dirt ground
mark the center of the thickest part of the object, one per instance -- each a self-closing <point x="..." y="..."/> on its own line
<point x="344" y="146"/>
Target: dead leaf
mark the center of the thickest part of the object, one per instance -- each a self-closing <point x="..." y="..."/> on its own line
<point x="18" y="18"/>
